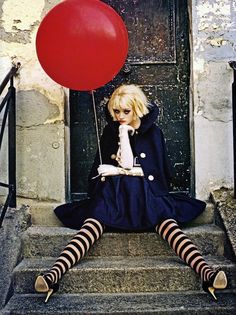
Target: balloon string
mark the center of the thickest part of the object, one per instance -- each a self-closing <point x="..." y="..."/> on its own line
<point x="96" y="126"/>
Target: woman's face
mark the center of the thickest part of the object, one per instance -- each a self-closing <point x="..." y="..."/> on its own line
<point x="124" y="115"/>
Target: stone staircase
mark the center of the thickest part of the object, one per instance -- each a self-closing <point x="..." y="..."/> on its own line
<point x="124" y="273"/>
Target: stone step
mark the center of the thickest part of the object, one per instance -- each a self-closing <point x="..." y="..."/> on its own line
<point x="120" y="274"/>
<point x="49" y="241"/>
<point x="207" y="217"/>
<point x="190" y="303"/>
<point x="42" y="213"/>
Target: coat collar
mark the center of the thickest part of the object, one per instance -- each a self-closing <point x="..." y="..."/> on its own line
<point x="148" y="120"/>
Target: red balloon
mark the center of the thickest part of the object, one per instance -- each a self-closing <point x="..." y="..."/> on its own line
<point x="82" y="44"/>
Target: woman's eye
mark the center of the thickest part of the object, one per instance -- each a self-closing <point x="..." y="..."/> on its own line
<point x="127" y="111"/>
<point x="116" y="111"/>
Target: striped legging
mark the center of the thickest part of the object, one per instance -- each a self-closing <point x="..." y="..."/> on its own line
<point x="184" y="248"/>
<point x="92" y="230"/>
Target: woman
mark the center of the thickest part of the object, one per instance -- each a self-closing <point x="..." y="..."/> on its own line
<point x="129" y="190"/>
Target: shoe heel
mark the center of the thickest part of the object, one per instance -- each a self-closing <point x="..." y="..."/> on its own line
<point x="43" y="285"/>
<point x="217" y="281"/>
<point x="211" y="290"/>
<point x="50" y="292"/>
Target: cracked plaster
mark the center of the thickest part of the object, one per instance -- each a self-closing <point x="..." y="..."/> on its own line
<point x="214" y="15"/>
<point x="16" y="17"/>
<point x="40" y="101"/>
<point x="35" y="109"/>
<point x="19" y="45"/>
<point x="212" y="103"/>
<point x="214" y="45"/>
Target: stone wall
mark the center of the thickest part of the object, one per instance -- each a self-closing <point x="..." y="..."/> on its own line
<point x="40" y="103"/>
<point x="15" y="223"/>
<point x="213" y="46"/>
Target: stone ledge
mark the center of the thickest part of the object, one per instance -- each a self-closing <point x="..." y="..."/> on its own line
<point x="226" y="211"/>
<point x="49" y="241"/>
<point x="191" y="303"/>
<point x="15" y="223"/>
<point x="121" y="274"/>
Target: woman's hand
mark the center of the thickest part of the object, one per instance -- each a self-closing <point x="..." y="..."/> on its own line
<point x="125" y="129"/>
<point x="107" y="170"/>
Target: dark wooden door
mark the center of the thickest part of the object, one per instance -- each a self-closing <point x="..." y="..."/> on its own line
<point x="158" y="60"/>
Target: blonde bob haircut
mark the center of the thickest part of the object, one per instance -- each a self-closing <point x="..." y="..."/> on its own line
<point x="131" y="97"/>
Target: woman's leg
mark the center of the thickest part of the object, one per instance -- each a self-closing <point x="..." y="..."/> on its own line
<point x="91" y="231"/>
<point x="184" y="248"/>
<point x="188" y="252"/>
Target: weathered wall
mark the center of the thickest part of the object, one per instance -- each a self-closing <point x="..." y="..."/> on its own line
<point x="213" y="45"/>
<point x="40" y="103"/>
<point x="14" y="225"/>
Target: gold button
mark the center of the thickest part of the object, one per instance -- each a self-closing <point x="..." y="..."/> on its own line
<point x="103" y="179"/>
<point x="113" y="156"/>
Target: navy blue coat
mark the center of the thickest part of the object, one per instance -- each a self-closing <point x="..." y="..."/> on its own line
<point x="148" y="145"/>
<point x="128" y="211"/>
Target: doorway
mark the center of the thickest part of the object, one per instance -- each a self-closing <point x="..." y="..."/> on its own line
<point x="158" y="61"/>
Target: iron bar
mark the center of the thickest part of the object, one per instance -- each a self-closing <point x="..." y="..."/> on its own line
<point x="233" y="66"/>
<point x="10" y="75"/>
<point x="12" y="145"/>
<point x="4" y="185"/>
<point x="4" y="101"/>
<point x="9" y="102"/>
<point x="4" y="209"/>
<point x="4" y="120"/>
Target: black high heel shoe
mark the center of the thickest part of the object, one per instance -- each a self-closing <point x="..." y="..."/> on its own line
<point x="44" y="285"/>
<point x="217" y="281"/>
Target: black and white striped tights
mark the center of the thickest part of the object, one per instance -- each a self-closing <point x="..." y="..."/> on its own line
<point x="184" y="248"/>
<point x="92" y="230"/>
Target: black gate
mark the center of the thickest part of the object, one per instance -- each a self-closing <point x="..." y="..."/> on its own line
<point x="158" y="61"/>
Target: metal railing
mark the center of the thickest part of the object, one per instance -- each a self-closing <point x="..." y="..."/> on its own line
<point x="233" y="66"/>
<point x="8" y="108"/>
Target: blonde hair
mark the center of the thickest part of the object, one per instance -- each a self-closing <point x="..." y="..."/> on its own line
<point x="130" y="96"/>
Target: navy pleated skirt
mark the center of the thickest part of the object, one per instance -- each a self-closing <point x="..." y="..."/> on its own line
<point x="127" y="203"/>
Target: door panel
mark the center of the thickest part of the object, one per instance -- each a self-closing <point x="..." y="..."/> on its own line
<point x="150" y="24"/>
<point x="158" y="60"/>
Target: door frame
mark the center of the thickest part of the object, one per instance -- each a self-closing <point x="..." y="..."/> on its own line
<point x="191" y="103"/>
